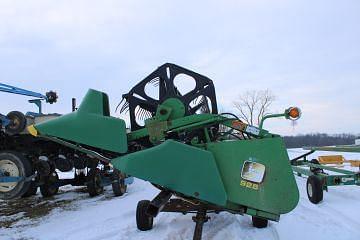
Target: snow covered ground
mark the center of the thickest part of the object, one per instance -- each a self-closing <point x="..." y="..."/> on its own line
<point x="73" y="215"/>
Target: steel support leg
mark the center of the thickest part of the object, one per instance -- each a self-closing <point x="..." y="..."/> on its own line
<point x="199" y="219"/>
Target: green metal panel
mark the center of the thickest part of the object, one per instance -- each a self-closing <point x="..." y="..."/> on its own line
<point x="277" y="194"/>
<point x="179" y="167"/>
<point x="90" y="125"/>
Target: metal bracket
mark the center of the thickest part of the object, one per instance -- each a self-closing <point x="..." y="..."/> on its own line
<point x="199" y="219"/>
<point x="10" y="179"/>
<point x="37" y="102"/>
<point x="4" y="120"/>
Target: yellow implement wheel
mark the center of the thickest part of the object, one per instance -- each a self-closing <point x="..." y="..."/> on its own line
<point x="13" y="164"/>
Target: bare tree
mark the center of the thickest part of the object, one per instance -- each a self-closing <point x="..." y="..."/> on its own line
<point x="254" y="105"/>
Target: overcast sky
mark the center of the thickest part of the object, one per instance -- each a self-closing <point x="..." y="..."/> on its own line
<point x="306" y="52"/>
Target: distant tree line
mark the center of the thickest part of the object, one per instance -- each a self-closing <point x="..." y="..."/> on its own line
<point x="253" y="105"/>
<point x="319" y="139"/>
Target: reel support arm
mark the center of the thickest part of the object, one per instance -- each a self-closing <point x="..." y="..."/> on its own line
<point x="292" y="113"/>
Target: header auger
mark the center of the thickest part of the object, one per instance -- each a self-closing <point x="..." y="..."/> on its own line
<point x="201" y="161"/>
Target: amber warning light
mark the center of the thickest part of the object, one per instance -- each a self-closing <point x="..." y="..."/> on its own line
<point x="294" y="113"/>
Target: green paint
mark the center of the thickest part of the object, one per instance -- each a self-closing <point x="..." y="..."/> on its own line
<point x="344" y="177"/>
<point x="187" y="169"/>
<point x="208" y="171"/>
<point x="90" y="125"/>
<point x="177" y="166"/>
<point x="277" y="194"/>
<point x="176" y="106"/>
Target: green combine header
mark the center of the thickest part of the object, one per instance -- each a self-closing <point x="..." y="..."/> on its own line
<point x="200" y="160"/>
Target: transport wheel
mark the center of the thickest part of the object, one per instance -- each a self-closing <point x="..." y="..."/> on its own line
<point x="33" y="187"/>
<point x="13" y="164"/>
<point x="118" y="185"/>
<point x="259" y="222"/>
<point x="50" y="187"/>
<point x="17" y="122"/>
<point x="94" y="182"/>
<point x="314" y="189"/>
<point x="144" y="222"/>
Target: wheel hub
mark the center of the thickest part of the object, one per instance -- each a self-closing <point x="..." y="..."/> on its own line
<point x="9" y="169"/>
<point x="310" y="191"/>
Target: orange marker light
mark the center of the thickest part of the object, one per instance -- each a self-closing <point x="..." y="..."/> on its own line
<point x="294" y="113"/>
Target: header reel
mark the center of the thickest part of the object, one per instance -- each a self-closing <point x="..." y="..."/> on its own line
<point x="164" y="84"/>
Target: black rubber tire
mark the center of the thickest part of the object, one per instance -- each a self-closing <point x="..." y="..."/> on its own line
<point x="25" y="170"/>
<point x="32" y="190"/>
<point x="118" y="185"/>
<point x="49" y="188"/>
<point x="144" y="222"/>
<point x="17" y="122"/>
<point x="94" y="182"/>
<point x="314" y="189"/>
<point x="33" y="186"/>
<point x="259" y="222"/>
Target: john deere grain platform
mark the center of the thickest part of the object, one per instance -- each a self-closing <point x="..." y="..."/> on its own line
<point x="200" y="160"/>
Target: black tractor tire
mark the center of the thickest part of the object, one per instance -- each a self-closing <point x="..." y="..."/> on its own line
<point x="17" y="123"/>
<point x="32" y="190"/>
<point x="314" y="189"/>
<point x="24" y="168"/>
<point x="144" y="222"/>
<point x="49" y="187"/>
<point x="118" y="185"/>
<point x="259" y="222"/>
<point x="94" y="182"/>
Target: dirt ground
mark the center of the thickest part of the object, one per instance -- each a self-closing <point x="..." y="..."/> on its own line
<point x="36" y="206"/>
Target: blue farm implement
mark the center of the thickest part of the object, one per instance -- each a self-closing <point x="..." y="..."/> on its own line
<point x="27" y="163"/>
